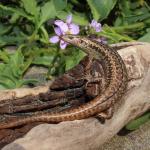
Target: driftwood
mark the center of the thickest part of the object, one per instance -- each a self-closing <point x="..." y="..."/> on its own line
<point x="66" y="91"/>
<point x="90" y="133"/>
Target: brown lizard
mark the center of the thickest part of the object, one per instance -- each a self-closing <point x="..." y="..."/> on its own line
<point x="116" y="77"/>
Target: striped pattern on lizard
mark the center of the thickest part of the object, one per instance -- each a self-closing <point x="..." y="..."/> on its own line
<point x="116" y="77"/>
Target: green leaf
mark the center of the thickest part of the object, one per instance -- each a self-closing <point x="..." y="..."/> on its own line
<point x="11" y="73"/>
<point x="74" y="58"/>
<point x="146" y="37"/>
<point x="48" y="11"/>
<point x="57" y="65"/>
<point x="15" y="62"/>
<point x="3" y="13"/>
<point x="18" y="11"/>
<point x="24" y="67"/>
<point x="113" y="35"/>
<point x="6" y="84"/>
<point x="4" y="56"/>
<point x="43" y="60"/>
<point x="78" y="18"/>
<point x="133" y="12"/>
<point x="136" y="18"/>
<point x="101" y="8"/>
<point x="7" y="76"/>
<point x="125" y="7"/>
<point x="31" y="7"/>
<point x="11" y="40"/>
<point x="14" y="18"/>
<point x="60" y="4"/>
<point x="17" y="58"/>
<point x="4" y="29"/>
<point x="137" y="122"/>
<point x="26" y="82"/>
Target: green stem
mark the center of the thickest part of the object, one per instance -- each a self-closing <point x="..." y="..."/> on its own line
<point x="45" y="34"/>
<point x="139" y="25"/>
<point x="33" y="37"/>
<point x="21" y="46"/>
<point x="114" y="36"/>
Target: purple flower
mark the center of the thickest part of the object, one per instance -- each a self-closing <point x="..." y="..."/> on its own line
<point x="64" y="28"/>
<point x="97" y="26"/>
<point x="56" y="38"/>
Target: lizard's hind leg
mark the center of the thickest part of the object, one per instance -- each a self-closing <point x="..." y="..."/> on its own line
<point x="107" y="114"/>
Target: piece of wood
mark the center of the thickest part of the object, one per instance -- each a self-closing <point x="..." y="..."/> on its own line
<point x="89" y="133"/>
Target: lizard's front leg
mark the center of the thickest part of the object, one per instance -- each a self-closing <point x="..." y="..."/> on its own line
<point x="107" y="114"/>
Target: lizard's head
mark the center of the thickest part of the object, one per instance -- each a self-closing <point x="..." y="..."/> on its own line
<point x="75" y="40"/>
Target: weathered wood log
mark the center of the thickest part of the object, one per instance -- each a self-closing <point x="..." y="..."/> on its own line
<point x="90" y="133"/>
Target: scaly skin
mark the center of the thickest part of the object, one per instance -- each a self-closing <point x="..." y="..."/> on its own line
<point x="116" y="85"/>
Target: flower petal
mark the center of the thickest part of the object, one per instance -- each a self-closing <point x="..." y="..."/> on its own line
<point x="69" y="19"/>
<point x="63" y="26"/>
<point x="74" y="29"/>
<point x="98" y="27"/>
<point x="63" y="44"/>
<point x="58" y="31"/>
<point x="93" y="23"/>
<point x="54" y="39"/>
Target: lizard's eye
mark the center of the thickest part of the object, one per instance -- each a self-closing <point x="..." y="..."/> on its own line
<point x="71" y="38"/>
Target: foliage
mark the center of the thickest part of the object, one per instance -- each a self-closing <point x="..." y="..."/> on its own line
<point x="28" y="24"/>
<point x="12" y="70"/>
<point x="135" y="124"/>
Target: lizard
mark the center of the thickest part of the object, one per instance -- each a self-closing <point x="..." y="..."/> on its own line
<point x="116" y="86"/>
